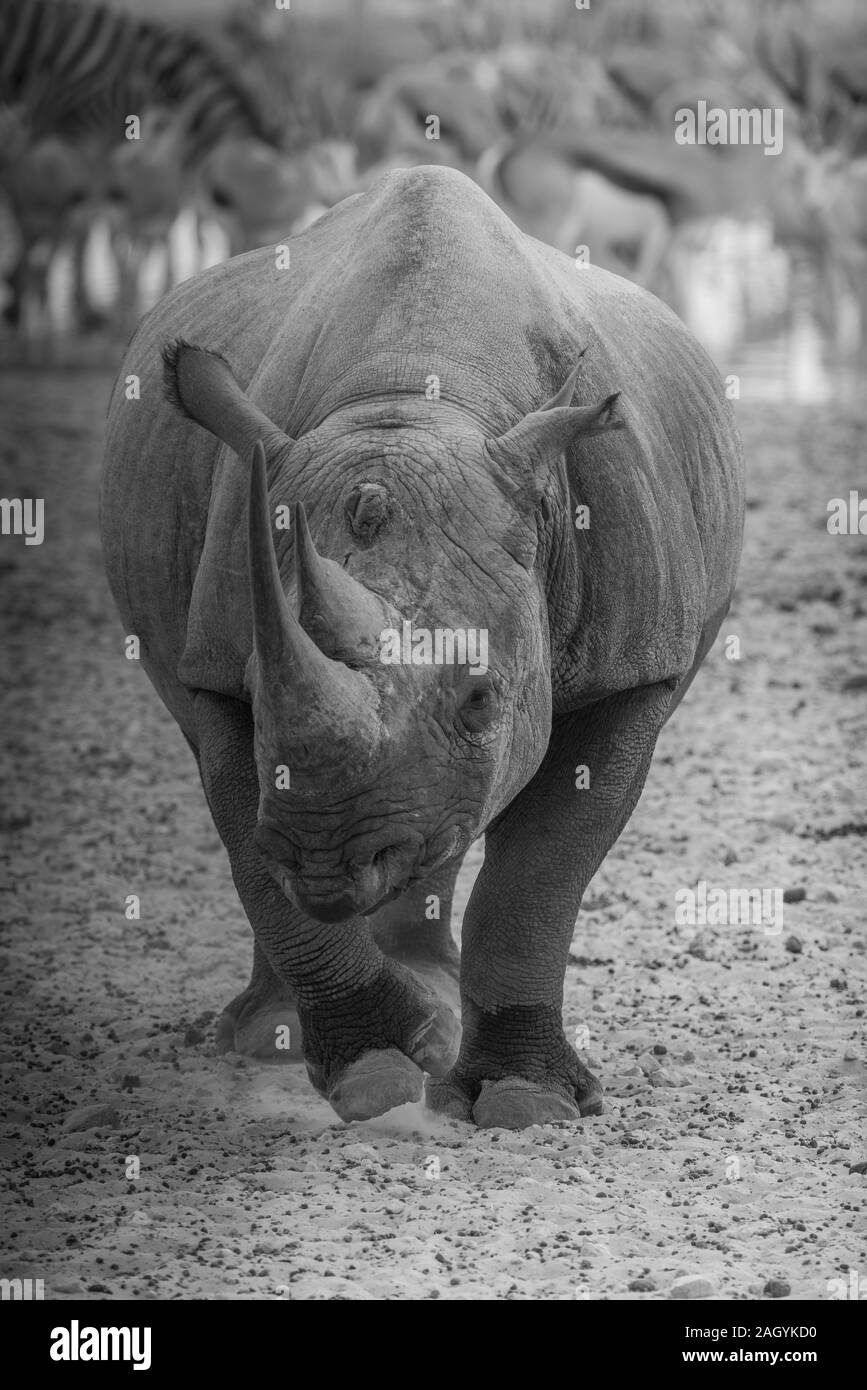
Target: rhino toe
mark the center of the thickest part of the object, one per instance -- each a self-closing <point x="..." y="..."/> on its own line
<point x="515" y="1103"/>
<point x="588" y="1092"/>
<point x="374" y="1083"/>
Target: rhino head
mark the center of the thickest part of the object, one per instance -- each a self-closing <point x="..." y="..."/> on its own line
<point x="397" y="709"/>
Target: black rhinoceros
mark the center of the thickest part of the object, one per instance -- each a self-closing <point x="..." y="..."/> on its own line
<point x="424" y="535"/>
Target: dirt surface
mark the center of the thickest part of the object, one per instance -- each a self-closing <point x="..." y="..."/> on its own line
<point x="733" y="1057"/>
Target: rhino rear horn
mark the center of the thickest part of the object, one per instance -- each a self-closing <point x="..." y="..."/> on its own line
<point x="340" y="614"/>
<point x="202" y="386"/>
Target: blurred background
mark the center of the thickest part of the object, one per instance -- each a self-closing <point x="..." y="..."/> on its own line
<point x="252" y="119"/>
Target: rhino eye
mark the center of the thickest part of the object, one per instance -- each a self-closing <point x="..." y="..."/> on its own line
<point x="479" y="706"/>
<point x="480" y="699"/>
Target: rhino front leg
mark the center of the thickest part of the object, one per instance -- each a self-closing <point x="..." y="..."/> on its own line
<point x="515" y="1067"/>
<point x="369" y="1027"/>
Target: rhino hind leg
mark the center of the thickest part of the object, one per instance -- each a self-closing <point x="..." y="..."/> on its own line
<point x="415" y="930"/>
<point x="516" y="1067"/>
<point x="263" y="1020"/>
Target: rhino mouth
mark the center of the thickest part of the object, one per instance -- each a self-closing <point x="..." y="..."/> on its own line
<point x="341" y="905"/>
<point x="342" y="895"/>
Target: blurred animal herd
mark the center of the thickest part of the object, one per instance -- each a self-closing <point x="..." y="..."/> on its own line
<point x="134" y="151"/>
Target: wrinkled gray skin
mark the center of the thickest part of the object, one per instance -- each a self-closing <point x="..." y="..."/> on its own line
<point x="455" y="512"/>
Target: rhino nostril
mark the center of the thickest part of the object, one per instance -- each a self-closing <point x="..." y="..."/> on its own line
<point x="367" y="850"/>
<point x="392" y="860"/>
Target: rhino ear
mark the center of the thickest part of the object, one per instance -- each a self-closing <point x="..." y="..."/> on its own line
<point x="526" y="454"/>
<point x="202" y="386"/>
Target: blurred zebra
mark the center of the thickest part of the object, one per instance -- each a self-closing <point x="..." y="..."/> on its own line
<point x="79" y="69"/>
<point x="46" y="186"/>
<point x="260" y="194"/>
<point x="72" y="73"/>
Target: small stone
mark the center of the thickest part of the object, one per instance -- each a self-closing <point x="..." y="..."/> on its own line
<point x="129" y="1082"/>
<point x="67" y="1286"/>
<point x="193" y="1037"/>
<point x="771" y="762"/>
<point x="794" y="895"/>
<point x="91" y="1117"/>
<point x="794" y="944"/>
<point x="648" y="1063"/>
<point x="361" y="1153"/>
<point x="688" y="1057"/>
<point x="588" y="1248"/>
<point x="827" y="895"/>
<point x="859" y="1167"/>
<point x="777" y="1288"/>
<point x="642" y="1285"/>
<point x="289" y="1181"/>
<point x="662" y="1078"/>
<point x="659" y="1049"/>
<point x="692" y="1286"/>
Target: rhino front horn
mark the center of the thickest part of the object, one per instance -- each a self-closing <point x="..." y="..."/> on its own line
<point x="304" y="702"/>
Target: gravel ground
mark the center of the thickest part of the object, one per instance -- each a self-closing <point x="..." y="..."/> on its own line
<point x="139" y="1164"/>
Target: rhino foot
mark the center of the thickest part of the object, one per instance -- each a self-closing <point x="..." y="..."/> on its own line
<point x="266" y="1028"/>
<point x="383" y="1078"/>
<point x="376" y="1082"/>
<point x="514" y="1102"/>
<point x="405" y="1031"/>
<point x="588" y="1091"/>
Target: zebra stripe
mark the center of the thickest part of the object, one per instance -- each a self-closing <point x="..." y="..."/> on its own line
<point x="79" y="69"/>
